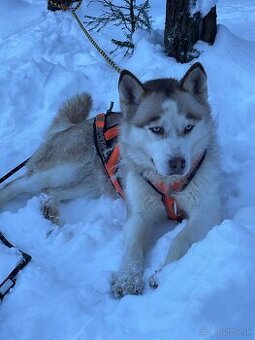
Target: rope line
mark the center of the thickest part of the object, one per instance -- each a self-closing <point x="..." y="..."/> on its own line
<point x="64" y="7"/>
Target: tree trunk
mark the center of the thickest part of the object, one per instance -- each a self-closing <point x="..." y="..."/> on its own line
<point x="182" y="30"/>
<point x="209" y="27"/>
<point x="132" y="16"/>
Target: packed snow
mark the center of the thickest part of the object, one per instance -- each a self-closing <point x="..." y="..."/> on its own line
<point x="64" y="292"/>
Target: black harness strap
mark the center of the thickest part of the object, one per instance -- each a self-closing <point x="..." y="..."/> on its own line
<point x="13" y="171"/>
<point x="193" y="172"/>
<point x="105" y="140"/>
<point x="10" y="281"/>
<point x="174" y="212"/>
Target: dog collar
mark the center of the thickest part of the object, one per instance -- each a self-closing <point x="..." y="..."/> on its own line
<point x="184" y="182"/>
<point x="174" y="211"/>
<point x="181" y="183"/>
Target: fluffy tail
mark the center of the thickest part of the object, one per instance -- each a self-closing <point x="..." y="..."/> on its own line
<point x="73" y="111"/>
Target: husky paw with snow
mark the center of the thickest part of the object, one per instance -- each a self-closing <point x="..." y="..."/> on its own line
<point x="127" y="282"/>
<point x="50" y="209"/>
<point x="153" y="280"/>
<point x="166" y="138"/>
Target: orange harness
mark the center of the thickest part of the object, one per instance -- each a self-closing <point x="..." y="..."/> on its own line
<point x="106" y="131"/>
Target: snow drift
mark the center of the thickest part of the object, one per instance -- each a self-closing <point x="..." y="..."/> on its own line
<point x="64" y="292"/>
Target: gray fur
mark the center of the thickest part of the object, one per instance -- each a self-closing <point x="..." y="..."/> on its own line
<point x="171" y="105"/>
<point x="73" y="111"/>
<point x="67" y="166"/>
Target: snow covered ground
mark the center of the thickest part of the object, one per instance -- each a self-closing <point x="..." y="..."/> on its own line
<point x="64" y="292"/>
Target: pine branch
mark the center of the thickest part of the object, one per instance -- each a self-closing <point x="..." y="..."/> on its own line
<point x="127" y="44"/>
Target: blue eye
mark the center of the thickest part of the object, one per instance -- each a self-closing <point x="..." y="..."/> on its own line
<point x="188" y="128"/>
<point x="157" y="130"/>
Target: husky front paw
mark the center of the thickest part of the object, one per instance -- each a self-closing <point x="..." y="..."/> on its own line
<point x="49" y="209"/>
<point x="126" y="283"/>
<point x="153" y="280"/>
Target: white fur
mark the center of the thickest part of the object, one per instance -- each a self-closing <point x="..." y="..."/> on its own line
<point x="67" y="165"/>
<point x="143" y="151"/>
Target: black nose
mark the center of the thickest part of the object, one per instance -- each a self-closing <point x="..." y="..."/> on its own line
<point x="177" y="165"/>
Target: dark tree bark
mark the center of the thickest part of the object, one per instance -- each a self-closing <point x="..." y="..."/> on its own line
<point x="209" y="27"/>
<point x="59" y="5"/>
<point x="182" y="30"/>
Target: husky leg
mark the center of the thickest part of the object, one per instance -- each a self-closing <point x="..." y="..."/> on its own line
<point x="146" y="208"/>
<point x="68" y="192"/>
<point x="36" y="183"/>
<point x="21" y="185"/>
<point x="52" y="197"/>
<point x="49" y="209"/>
<point x="201" y="221"/>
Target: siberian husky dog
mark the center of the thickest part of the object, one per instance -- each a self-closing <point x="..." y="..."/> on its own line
<point x="165" y="127"/>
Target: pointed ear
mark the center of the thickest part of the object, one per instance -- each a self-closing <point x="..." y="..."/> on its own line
<point x="130" y="93"/>
<point x="195" y="82"/>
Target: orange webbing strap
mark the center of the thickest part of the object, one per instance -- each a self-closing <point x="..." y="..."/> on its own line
<point x="112" y="133"/>
<point x="178" y="185"/>
<point x="100" y="120"/>
<point x="111" y="168"/>
<point x="101" y="137"/>
<point x="173" y="211"/>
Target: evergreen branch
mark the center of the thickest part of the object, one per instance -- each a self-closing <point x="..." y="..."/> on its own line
<point x="129" y="16"/>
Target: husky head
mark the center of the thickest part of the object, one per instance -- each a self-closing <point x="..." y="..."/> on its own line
<point x="167" y="123"/>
